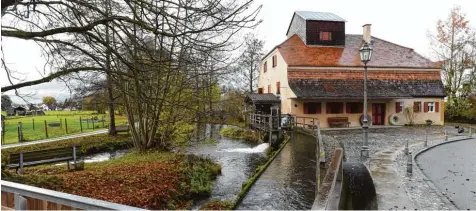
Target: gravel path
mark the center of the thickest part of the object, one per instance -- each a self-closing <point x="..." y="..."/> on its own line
<point x="55" y="139"/>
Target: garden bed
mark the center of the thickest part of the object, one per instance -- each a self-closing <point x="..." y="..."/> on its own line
<point x="152" y="180"/>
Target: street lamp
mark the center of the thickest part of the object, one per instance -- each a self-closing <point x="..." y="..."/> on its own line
<point x="365" y="56"/>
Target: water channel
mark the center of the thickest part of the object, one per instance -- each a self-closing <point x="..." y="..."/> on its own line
<point x="289" y="181"/>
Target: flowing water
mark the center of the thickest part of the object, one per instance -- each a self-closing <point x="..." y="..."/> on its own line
<point x="289" y="181"/>
<point x="238" y="159"/>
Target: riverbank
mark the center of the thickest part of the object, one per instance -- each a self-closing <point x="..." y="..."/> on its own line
<point x="241" y="134"/>
<point x="152" y="180"/>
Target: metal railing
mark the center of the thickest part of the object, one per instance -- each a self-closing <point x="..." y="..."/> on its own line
<point x="24" y="194"/>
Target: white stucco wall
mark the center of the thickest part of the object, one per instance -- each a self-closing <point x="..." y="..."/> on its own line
<point x="273" y="75"/>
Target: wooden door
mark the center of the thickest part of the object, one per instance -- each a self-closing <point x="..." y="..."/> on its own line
<point x="378" y="113"/>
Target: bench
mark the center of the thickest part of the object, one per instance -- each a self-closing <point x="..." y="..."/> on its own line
<point x="338" y="121"/>
<point x="122" y="128"/>
<point x="34" y="158"/>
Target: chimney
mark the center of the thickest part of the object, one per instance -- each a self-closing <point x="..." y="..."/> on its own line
<point x="367" y="33"/>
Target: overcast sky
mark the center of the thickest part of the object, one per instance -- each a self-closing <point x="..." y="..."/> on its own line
<point x="405" y="22"/>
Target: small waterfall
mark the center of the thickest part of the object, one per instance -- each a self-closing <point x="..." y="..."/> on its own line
<point x="257" y="149"/>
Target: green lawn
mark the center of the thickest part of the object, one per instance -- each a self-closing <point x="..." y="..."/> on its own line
<point x="34" y="126"/>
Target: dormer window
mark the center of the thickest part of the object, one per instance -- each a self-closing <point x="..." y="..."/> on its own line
<point x="325" y="36"/>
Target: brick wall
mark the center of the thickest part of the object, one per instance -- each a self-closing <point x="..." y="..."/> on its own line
<point x="358" y="74"/>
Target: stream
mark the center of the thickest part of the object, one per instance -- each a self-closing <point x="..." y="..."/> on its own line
<point x="238" y="159"/>
<point x="288" y="183"/>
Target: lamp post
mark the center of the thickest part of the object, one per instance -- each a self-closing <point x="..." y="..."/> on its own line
<point x="365" y="56"/>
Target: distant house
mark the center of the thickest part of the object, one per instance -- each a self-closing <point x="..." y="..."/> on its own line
<point x="318" y="73"/>
<point x="45" y="107"/>
<point x="19" y="111"/>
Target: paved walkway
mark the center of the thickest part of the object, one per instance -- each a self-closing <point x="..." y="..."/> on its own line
<point x="387" y="165"/>
<point x="54" y="139"/>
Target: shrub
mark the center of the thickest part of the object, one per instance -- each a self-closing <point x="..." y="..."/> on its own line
<point x="201" y="173"/>
<point x="239" y="133"/>
<point x="218" y="205"/>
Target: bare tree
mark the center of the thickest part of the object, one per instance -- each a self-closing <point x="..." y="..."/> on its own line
<point x="249" y="61"/>
<point x="452" y="46"/>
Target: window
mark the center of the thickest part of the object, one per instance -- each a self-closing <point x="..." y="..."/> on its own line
<point x="278" y="86"/>
<point x="269" y="88"/>
<point x="398" y="107"/>
<point x="265" y="67"/>
<point x="312" y="108"/>
<point x="275" y="61"/>
<point x="325" y="36"/>
<point x="260" y="90"/>
<point x="354" y="108"/>
<point x="432" y="107"/>
<point x="335" y="108"/>
<point x="416" y="107"/>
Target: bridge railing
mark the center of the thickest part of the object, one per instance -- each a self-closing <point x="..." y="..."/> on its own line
<point x="24" y="197"/>
<point x="330" y="190"/>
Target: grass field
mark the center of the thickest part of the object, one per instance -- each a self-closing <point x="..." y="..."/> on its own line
<point x="34" y="126"/>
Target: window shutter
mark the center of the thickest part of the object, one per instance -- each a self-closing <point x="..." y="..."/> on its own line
<point x="260" y="90"/>
<point x="425" y="107"/>
<point x="347" y="108"/>
<point x="318" y="108"/>
<point x="397" y="107"/>
<point x="361" y="108"/>
<point x="305" y="109"/>
<point x="341" y="106"/>
<point x="278" y="86"/>
<point x="416" y="106"/>
<point x="328" y="108"/>
<point x="269" y="88"/>
<point x="437" y="106"/>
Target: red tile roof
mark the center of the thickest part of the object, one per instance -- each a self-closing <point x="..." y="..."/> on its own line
<point x="386" y="54"/>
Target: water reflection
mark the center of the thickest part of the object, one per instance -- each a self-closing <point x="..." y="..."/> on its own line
<point x="289" y="182"/>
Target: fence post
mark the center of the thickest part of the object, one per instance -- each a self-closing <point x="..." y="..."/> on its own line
<point x="87" y="123"/>
<point x="81" y="124"/>
<point x="426" y="139"/>
<point x="409" y="163"/>
<point x="3" y="131"/>
<point x="102" y="121"/>
<point x="66" y="125"/>
<point x="470" y="134"/>
<point x="20" y="132"/>
<point x="92" y="120"/>
<point x="46" y="129"/>
<point x="61" y="123"/>
<point x="74" y="157"/>
<point x="33" y="124"/>
<point x="406" y="147"/>
<point x="446" y="135"/>
<point x="270" y="129"/>
<point x="318" y="155"/>
<point x="19" y="201"/>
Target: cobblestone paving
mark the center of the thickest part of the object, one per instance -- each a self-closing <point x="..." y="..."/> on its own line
<point x="422" y="194"/>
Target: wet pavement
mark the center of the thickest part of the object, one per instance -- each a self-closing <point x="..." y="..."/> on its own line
<point x="452" y="169"/>
<point x="395" y="190"/>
